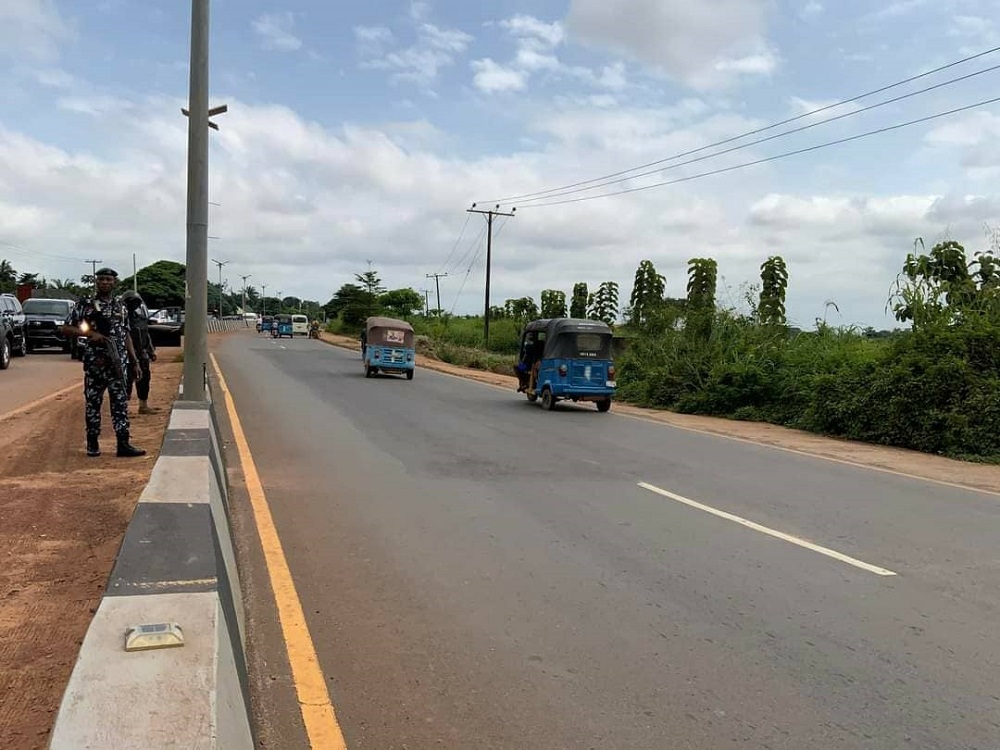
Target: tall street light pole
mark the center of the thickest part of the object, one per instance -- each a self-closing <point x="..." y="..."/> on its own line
<point x="245" y="291"/>
<point x="196" y="302"/>
<point x="220" y="264"/>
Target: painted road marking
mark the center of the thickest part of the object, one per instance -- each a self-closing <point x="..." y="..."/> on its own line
<point x="770" y="532"/>
<point x="318" y="713"/>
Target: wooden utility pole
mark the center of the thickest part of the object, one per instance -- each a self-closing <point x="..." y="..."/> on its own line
<point x="489" y="214"/>
<point x="437" y="285"/>
<point x="427" y="302"/>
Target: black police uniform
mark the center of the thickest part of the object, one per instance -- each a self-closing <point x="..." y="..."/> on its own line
<point x="109" y="318"/>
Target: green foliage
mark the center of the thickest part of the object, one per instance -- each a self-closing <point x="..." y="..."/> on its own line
<point x="604" y="303"/>
<point x="161" y="284"/>
<point x="522" y="309"/>
<point x="352" y="304"/>
<point x="702" y="278"/>
<point x="402" y="303"/>
<point x="8" y="276"/>
<point x="580" y="302"/>
<point x="553" y="303"/>
<point x="647" y="294"/>
<point x="774" y="282"/>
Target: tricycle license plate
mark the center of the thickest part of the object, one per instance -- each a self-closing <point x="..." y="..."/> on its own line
<point x="611" y="384"/>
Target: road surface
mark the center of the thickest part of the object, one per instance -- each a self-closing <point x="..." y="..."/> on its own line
<point x="479" y="573"/>
<point x="37" y="375"/>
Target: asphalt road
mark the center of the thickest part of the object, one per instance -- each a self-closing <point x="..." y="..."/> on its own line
<point x="36" y="375"/>
<point x="479" y="573"/>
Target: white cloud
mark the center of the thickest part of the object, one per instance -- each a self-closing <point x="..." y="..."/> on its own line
<point x="700" y="44"/>
<point x="303" y="205"/>
<point x="544" y="34"/>
<point x="978" y="32"/>
<point x="976" y="136"/>
<point x="419" y="10"/>
<point x="811" y="9"/>
<point x="372" y="40"/>
<point x="55" y="78"/>
<point x="491" y="77"/>
<point x="421" y="62"/>
<point x="32" y="29"/>
<point x="276" y="32"/>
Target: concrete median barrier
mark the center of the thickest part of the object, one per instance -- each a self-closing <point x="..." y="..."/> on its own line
<point x="176" y="565"/>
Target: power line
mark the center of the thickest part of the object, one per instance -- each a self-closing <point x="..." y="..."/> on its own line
<point x="38" y="253"/>
<point x="455" y="246"/>
<point x="755" y="162"/>
<point x="757" y="142"/>
<point x="472" y="263"/>
<point x="751" y="132"/>
<point x="473" y="244"/>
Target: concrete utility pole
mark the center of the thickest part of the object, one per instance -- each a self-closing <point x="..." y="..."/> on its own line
<point x="263" y="300"/>
<point x="427" y="302"/>
<point x="489" y="259"/>
<point x="245" y="291"/>
<point x="93" y="272"/>
<point x="437" y="284"/>
<point x="196" y="304"/>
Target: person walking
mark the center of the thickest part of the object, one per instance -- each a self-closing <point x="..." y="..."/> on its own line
<point x="142" y="344"/>
<point x="103" y="320"/>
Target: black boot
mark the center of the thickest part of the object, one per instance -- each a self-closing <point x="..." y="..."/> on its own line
<point x="125" y="450"/>
<point x="93" y="446"/>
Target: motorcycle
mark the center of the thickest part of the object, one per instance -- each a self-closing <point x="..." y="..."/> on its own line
<point x="314" y="332"/>
<point x="274" y="330"/>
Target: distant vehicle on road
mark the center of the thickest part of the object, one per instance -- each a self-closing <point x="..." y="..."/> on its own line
<point x="387" y="345"/>
<point x="284" y="325"/>
<point x="300" y="324"/>
<point x="43" y="318"/>
<point x="10" y="308"/>
<point x="567" y="359"/>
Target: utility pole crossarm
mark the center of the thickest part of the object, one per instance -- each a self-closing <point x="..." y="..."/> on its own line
<point x="489" y="214"/>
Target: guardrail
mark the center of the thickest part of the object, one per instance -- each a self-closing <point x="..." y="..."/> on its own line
<point x="215" y="325"/>
<point x="174" y="595"/>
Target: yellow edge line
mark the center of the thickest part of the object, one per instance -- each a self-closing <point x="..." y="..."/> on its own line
<point x="736" y="438"/>
<point x="318" y="713"/>
<point x="39" y="401"/>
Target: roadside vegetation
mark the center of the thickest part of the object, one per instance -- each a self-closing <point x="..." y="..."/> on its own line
<point x="932" y="384"/>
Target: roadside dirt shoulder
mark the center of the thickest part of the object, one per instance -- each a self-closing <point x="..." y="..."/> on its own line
<point x="62" y="519"/>
<point x="926" y="466"/>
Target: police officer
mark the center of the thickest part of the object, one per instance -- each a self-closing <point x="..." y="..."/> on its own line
<point x="142" y="344"/>
<point x="106" y="359"/>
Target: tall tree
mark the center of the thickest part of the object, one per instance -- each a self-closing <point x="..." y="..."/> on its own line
<point x="8" y="276"/>
<point x="523" y="309"/>
<point x="31" y="279"/>
<point x="553" y="303"/>
<point x="774" y="282"/>
<point x="579" y="303"/>
<point x="647" y="293"/>
<point x="372" y="284"/>
<point x="703" y="275"/>
<point x="161" y="284"/>
<point x="402" y="302"/>
<point x="605" y="303"/>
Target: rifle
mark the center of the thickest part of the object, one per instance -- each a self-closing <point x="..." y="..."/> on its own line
<point x="112" y="349"/>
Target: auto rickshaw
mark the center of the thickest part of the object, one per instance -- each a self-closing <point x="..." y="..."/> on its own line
<point x="387" y="345"/>
<point x="264" y="326"/>
<point x="567" y="359"/>
<point x="284" y="325"/>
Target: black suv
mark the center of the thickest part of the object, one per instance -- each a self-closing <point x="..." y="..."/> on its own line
<point x="43" y="317"/>
<point x="6" y="342"/>
<point x="10" y="311"/>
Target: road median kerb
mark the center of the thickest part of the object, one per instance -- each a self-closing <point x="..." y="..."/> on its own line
<point x="176" y="564"/>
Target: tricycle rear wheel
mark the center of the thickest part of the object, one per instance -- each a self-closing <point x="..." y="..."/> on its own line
<point x="603" y="406"/>
<point x="548" y="400"/>
<point x="409" y="374"/>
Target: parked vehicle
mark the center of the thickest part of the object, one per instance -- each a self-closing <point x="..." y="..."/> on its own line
<point x="387" y="345"/>
<point x="43" y="318"/>
<point x="6" y="341"/>
<point x="567" y="359"/>
<point x="10" y="308"/>
<point x="166" y="326"/>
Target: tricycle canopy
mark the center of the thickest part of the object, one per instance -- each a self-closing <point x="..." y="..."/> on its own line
<point x="380" y="331"/>
<point x="572" y="338"/>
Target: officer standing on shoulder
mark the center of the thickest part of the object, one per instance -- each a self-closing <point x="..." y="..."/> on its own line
<point x="106" y="359"/>
<point x="142" y="344"/>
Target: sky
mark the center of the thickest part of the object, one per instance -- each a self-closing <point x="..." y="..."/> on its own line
<point x="361" y="132"/>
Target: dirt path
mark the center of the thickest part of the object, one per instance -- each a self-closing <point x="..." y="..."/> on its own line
<point x="62" y="518"/>
<point x="926" y="466"/>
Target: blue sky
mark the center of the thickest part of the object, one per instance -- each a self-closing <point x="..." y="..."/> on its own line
<point x="361" y="131"/>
